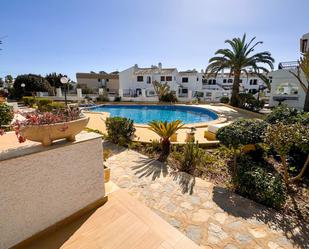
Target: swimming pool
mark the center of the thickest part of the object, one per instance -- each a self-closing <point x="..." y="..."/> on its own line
<point x="142" y="114"/>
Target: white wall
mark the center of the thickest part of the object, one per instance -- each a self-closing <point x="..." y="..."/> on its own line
<point x="283" y="76"/>
<point x="46" y="186"/>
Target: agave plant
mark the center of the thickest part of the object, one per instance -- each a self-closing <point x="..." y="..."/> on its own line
<point x="239" y="59"/>
<point x="165" y="130"/>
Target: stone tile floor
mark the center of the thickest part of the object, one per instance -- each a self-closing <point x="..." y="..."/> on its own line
<point x="210" y="215"/>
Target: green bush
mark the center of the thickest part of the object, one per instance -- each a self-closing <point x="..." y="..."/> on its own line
<point x="43" y="103"/>
<point x="117" y="99"/>
<point x="28" y="100"/>
<point x="242" y="132"/>
<point x="257" y="182"/>
<point x="225" y="100"/>
<point x="249" y="102"/>
<point x="168" y="97"/>
<point x="120" y="130"/>
<point x="287" y="115"/>
<point x="54" y="106"/>
<point x="190" y="157"/>
<point x="6" y="114"/>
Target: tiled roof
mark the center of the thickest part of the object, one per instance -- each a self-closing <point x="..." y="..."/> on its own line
<point x="154" y="70"/>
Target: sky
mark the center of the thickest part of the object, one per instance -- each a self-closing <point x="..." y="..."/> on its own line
<point x="69" y="36"/>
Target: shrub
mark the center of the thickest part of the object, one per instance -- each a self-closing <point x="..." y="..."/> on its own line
<point x="43" y="103"/>
<point x="117" y="99"/>
<point x="225" y="100"/>
<point x="258" y="183"/>
<point x="120" y="130"/>
<point x="103" y="98"/>
<point x="287" y="115"/>
<point x="249" y="102"/>
<point x="6" y="114"/>
<point x="3" y="93"/>
<point x="55" y="106"/>
<point x="29" y="101"/>
<point x="242" y="132"/>
<point x="239" y="133"/>
<point x="168" y="97"/>
<point x="190" y="157"/>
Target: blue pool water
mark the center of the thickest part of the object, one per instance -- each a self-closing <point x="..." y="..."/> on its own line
<point x="142" y="114"/>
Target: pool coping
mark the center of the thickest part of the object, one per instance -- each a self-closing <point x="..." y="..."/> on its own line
<point x="221" y="117"/>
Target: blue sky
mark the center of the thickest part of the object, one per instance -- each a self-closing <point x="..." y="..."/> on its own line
<point x="69" y="36"/>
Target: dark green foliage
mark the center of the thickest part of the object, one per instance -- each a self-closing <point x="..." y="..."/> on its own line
<point x="6" y="114"/>
<point x="29" y="101"/>
<point x="54" y="80"/>
<point x="242" y="132"/>
<point x="287" y="115"/>
<point x="42" y="103"/>
<point x="117" y="99"/>
<point x="225" y="100"/>
<point x="33" y="83"/>
<point x="168" y="97"/>
<point x="249" y="102"/>
<point x="259" y="183"/>
<point x="55" y="106"/>
<point x="120" y="130"/>
<point x="190" y="157"/>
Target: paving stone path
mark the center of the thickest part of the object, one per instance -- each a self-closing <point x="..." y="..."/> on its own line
<point x="210" y="215"/>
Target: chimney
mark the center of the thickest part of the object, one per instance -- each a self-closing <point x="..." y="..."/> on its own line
<point x="136" y="66"/>
<point x="160" y="65"/>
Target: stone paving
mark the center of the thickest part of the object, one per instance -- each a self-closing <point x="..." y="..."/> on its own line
<point x="210" y="215"/>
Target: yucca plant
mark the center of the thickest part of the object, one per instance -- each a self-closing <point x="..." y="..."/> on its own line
<point x="240" y="59"/>
<point x="165" y="130"/>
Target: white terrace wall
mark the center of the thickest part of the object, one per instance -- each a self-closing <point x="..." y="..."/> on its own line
<point x="41" y="186"/>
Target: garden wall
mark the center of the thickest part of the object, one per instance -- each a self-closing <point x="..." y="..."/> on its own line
<point x="40" y="186"/>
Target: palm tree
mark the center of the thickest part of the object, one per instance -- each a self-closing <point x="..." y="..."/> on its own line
<point x="303" y="65"/>
<point x="239" y="59"/>
<point x="165" y="130"/>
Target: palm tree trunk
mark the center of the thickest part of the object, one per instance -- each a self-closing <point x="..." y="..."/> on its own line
<point x="166" y="147"/>
<point x="306" y="105"/>
<point x="235" y="90"/>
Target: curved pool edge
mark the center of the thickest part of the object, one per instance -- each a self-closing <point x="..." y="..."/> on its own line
<point x="220" y="117"/>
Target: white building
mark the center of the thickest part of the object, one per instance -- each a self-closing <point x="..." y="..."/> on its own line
<point x="285" y="88"/>
<point x="135" y="84"/>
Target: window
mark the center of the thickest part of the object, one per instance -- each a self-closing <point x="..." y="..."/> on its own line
<point x="196" y="78"/>
<point x="304" y="45"/>
<point x="253" y="82"/>
<point x="240" y="80"/>
<point x="99" y="80"/>
<point x="230" y="81"/>
<point x="140" y="78"/>
<point x="211" y="82"/>
<point x="224" y="80"/>
<point x="148" y="79"/>
<point x="185" y="79"/>
<point x="169" y="78"/>
<point x="162" y="78"/>
<point x="184" y="90"/>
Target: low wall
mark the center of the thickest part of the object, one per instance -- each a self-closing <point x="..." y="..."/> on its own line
<point x="40" y="186"/>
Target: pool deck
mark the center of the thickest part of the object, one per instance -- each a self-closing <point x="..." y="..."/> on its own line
<point x="143" y="134"/>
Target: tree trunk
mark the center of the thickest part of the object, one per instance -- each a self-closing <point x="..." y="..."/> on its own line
<point x="285" y="168"/>
<point x="235" y="90"/>
<point x="306" y="105"/>
<point x="166" y="146"/>
<point x="302" y="172"/>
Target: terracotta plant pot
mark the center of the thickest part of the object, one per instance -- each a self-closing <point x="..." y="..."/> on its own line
<point x="248" y="147"/>
<point x="107" y="174"/>
<point x="46" y="134"/>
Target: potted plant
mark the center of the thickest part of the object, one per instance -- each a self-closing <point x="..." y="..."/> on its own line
<point x="45" y="127"/>
<point x="3" y="95"/>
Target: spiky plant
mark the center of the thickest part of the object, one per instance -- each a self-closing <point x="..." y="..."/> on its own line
<point x="239" y="59"/>
<point x="165" y="130"/>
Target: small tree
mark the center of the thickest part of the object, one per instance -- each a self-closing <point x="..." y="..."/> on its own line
<point x="282" y="137"/>
<point x="8" y="80"/>
<point x="120" y="130"/>
<point x="165" y="130"/>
